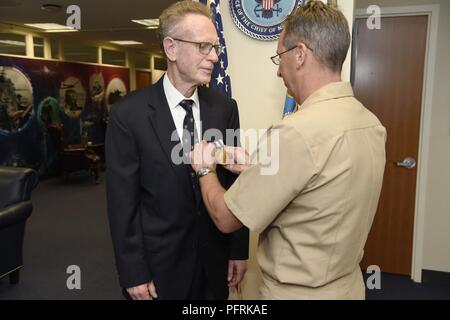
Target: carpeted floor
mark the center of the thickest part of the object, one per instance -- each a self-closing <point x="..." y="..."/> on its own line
<point x="69" y="226"/>
<point x="394" y="287"/>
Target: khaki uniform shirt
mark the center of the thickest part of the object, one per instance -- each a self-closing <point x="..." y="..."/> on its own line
<point x="314" y="214"/>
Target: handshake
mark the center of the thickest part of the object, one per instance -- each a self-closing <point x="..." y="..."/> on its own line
<point x="234" y="159"/>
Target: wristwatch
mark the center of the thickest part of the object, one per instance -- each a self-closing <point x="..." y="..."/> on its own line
<point x="204" y="171"/>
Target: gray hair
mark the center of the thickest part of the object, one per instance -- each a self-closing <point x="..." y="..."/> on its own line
<point x="322" y="28"/>
<point x="171" y="17"/>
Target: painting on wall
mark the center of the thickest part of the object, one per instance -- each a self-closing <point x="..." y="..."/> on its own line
<point x="116" y="90"/>
<point x="36" y="94"/>
<point x="16" y="100"/>
<point x="72" y="97"/>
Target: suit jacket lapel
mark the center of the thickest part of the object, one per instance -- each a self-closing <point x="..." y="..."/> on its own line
<point x="164" y="127"/>
<point x="206" y="111"/>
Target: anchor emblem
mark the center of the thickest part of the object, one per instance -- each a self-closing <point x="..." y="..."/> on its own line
<point x="266" y="8"/>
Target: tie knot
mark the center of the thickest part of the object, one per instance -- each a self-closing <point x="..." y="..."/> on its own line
<point x="186" y="104"/>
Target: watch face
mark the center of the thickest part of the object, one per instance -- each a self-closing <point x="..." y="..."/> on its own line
<point x="203" y="171"/>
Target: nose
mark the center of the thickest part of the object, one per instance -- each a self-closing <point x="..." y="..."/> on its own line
<point x="279" y="72"/>
<point x="213" y="56"/>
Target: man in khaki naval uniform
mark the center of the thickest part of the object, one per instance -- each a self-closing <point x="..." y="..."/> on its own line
<point x="314" y="214"/>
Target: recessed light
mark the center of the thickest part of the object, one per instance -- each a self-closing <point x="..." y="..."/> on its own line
<point x="50" y="7"/>
<point x="126" y="42"/>
<point x="150" y="23"/>
<point x="51" y="27"/>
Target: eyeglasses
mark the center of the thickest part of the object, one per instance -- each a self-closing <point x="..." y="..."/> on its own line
<point x="277" y="59"/>
<point x="204" y="47"/>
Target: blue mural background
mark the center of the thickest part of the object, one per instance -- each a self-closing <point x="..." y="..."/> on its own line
<point x="76" y="95"/>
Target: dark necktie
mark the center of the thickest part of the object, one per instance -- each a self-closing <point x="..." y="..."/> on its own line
<point x="190" y="138"/>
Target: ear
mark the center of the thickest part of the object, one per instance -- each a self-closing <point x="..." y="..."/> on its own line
<point x="300" y="55"/>
<point x="170" y="49"/>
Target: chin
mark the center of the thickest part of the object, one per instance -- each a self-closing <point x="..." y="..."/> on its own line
<point x="205" y="80"/>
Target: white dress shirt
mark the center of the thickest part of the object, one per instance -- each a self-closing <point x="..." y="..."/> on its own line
<point x="174" y="97"/>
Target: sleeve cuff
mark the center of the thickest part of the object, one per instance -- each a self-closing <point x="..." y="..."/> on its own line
<point x="239" y="214"/>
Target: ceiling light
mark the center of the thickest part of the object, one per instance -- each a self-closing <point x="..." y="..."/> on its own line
<point x="150" y="23"/>
<point x="126" y="42"/>
<point x="51" y="27"/>
<point x="51" y="7"/>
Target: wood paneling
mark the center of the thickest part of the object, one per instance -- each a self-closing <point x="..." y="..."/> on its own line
<point x="388" y="71"/>
<point x="143" y="79"/>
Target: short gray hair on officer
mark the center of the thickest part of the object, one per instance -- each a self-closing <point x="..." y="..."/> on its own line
<point x="323" y="28"/>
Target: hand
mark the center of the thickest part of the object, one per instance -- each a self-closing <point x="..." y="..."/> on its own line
<point x="238" y="159"/>
<point x="145" y="291"/>
<point x="203" y="155"/>
<point x="236" y="271"/>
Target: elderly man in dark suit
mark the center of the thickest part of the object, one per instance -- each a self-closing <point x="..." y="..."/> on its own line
<point x="166" y="245"/>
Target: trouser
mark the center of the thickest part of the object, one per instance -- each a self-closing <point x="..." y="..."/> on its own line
<point x="200" y="289"/>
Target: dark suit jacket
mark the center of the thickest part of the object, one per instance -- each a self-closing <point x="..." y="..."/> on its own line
<point x="158" y="228"/>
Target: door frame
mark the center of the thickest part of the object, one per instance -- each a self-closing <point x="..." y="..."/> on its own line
<point x="432" y="11"/>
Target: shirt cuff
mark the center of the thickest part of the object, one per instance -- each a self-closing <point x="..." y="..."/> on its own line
<point x="245" y="220"/>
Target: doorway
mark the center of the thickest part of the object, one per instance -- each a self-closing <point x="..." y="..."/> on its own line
<point x="388" y="76"/>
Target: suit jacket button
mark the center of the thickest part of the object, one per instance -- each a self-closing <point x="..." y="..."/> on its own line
<point x="199" y="213"/>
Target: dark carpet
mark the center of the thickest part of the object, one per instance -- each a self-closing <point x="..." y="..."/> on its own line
<point x="395" y="287"/>
<point x="69" y="226"/>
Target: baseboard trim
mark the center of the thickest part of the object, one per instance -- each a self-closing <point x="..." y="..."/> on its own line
<point x="435" y="277"/>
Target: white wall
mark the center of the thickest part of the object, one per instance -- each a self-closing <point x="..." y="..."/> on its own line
<point x="259" y="93"/>
<point x="255" y="86"/>
<point x="260" y="96"/>
<point x="436" y="253"/>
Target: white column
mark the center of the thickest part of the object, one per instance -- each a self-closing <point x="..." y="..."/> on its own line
<point x="29" y="45"/>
